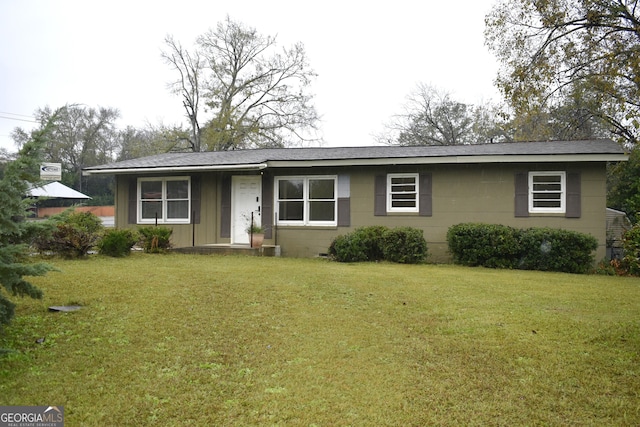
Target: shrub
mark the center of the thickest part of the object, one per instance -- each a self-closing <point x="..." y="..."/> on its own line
<point x="377" y="243"/>
<point x="372" y="238"/>
<point x="404" y="245"/>
<point x="155" y="239"/>
<point x="117" y="243"/>
<point x="363" y="244"/>
<point x="631" y="245"/>
<point x="613" y="267"/>
<point x="488" y="245"/>
<point x="548" y="249"/>
<point x="499" y="246"/>
<point x="73" y="234"/>
<point x="348" y="248"/>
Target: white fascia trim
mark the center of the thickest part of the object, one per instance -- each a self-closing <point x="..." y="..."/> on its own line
<point x="539" y="158"/>
<point x="170" y="169"/>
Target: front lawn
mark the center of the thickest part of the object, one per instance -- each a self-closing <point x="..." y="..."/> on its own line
<point x="211" y="340"/>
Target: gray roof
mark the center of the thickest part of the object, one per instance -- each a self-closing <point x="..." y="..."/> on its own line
<point x="591" y="150"/>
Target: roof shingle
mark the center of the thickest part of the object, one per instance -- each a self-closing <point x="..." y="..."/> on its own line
<point x="264" y="156"/>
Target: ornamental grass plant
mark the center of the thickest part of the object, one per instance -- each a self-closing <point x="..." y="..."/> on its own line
<point x="234" y="341"/>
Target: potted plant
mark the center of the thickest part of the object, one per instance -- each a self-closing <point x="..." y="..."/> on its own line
<point x="256" y="235"/>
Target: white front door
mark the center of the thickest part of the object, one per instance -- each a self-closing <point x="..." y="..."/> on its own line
<point x="245" y="200"/>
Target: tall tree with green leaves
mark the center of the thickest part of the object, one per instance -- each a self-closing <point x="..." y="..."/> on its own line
<point x="554" y="52"/>
<point x="623" y="186"/>
<point x="258" y="94"/>
<point x="150" y="140"/>
<point x="79" y="136"/>
<point x="15" y="231"/>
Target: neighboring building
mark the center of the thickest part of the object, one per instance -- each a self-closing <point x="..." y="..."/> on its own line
<point x="305" y="197"/>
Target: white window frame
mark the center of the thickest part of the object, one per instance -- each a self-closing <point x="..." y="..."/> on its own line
<point x="391" y="192"/>
<point x="306" y="201"/>
<point x="164" y="200"/>
<point x="563" y="192"/>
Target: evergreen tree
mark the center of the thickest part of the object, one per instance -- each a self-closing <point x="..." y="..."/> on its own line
<point x="15" y="231"/>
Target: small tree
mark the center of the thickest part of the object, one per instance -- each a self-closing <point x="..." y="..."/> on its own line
<point x="15" y="232"/>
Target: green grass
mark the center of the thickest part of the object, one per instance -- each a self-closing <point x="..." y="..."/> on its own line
<point x="235" y="341"/>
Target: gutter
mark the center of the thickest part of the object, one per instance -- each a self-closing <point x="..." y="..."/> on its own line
<point x="116" y="171"/>
<point x="502" y="158"/>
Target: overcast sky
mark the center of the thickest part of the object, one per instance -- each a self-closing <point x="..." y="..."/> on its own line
<point x="368" y="56"/>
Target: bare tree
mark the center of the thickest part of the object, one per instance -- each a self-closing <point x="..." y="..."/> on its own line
<point x="258" y="94"/>
<point x="432" y="117"/>
<point x="189" y="66"/>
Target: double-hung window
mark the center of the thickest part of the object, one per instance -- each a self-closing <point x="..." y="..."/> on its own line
<point x="165" y="200"/>
<point x="308" y="200"/>
<point x="547" y="192"/>
<point x="402" y="192"/>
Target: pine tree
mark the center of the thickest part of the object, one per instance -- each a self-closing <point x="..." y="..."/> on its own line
<point x="15" y="231"/>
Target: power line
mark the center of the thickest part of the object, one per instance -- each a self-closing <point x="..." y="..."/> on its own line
<point x="4" y="115"/>
<point x="16" y="114"/>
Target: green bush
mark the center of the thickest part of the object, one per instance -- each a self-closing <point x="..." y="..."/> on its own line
<point x="348" y="248"/>
<point x="363" y="244"/>
<point x="117" y="243"/>
<point x="499" y="246"/>
<point x="631" y="245"/>
<point x="547" y="249"/>
<point x="73" y="234"/>
<point x="373" y="238"/>
<point x="155" y="239"/>
<point x="488" y="245"/>
<point x="377" y="243"/>
<point x="404" y="245"/>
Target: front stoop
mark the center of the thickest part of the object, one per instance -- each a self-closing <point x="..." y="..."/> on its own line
<point x="222" y="249"/>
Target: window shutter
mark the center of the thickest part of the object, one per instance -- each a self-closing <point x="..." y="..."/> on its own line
<point x="344" y="212"/>
<point x="344" y="200"/>
<point x="133" y="201"/>
<point x="196" y="189"/>
<point x="267" y="206"/>
<point x="522" y="194"/>
<point x="574" y="209"/>
<point x="225" y="207"/>
<point x="426" y="195"/>
<point x="380" y="203"/>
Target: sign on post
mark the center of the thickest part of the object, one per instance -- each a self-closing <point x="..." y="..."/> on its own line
<point x="51" y="171"/>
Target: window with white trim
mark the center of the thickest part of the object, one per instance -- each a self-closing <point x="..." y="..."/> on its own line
<point x="308" y="200"/>
<point x="547" y="192"/>
<point x="167" y="200"/>
<point x="402" y="192"/>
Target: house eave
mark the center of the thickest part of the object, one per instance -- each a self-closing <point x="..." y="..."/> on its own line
<point x="175" y="169"/>
<point x="542" y="158"/>
<point x="387" y="161"/>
